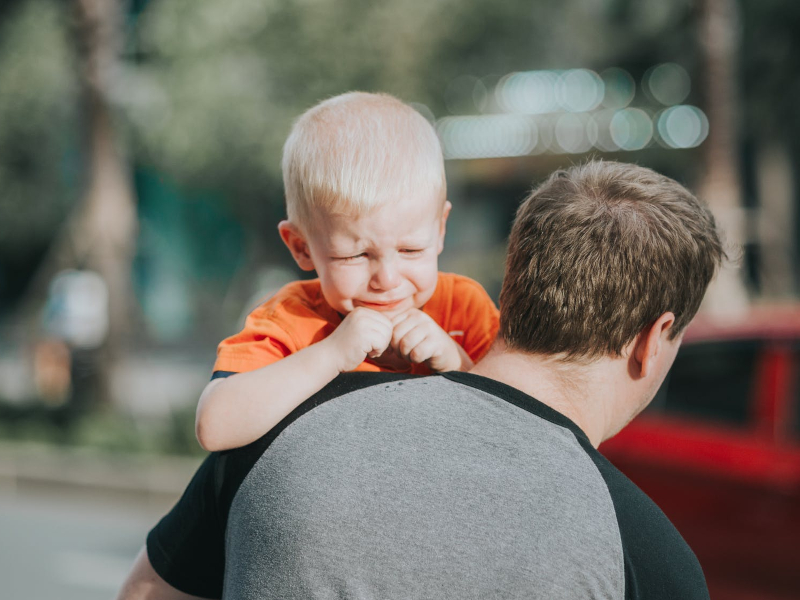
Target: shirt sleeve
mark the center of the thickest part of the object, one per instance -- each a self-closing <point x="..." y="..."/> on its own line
<point x="477" y="316"/>
<point x="659" y="565"/>
<point x="261" y="342"/>
<point x="186" y="548"/>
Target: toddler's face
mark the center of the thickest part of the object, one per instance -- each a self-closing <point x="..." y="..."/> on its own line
<point x="385" y="260"/>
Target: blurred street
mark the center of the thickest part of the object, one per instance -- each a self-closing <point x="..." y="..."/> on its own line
<point x="56" y="549"/>
<point x="72" y="532"/>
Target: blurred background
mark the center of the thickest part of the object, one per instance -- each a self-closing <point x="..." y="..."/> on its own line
<point x="140" y="192"/>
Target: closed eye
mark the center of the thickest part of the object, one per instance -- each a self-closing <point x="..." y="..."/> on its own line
<point x="346" y="259"/>
<point x="412" y="251"/>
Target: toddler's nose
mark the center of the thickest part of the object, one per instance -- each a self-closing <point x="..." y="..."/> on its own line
<point x="385" y="276"/>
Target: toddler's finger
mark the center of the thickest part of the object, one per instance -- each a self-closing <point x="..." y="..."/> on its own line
<point x="422" y="351"/>
<point x="397" y="319"/>
<point x="380" y="338"/>
<point x="410" y="341"/>
<point x="380" y="345"/>
<point x="401" y="330"/>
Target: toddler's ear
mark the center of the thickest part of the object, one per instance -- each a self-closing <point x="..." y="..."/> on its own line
<point x="443" y="224"/>
<point x="296" y="243"/>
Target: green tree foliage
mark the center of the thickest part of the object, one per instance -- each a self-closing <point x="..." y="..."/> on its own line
<point x="38" y="129"/>
<point x="209" y="89"/>
<point x="215" y="86"/>
<point x="220" y="85"/>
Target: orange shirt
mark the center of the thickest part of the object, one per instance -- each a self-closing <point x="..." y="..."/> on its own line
<point x="298" y="316"/>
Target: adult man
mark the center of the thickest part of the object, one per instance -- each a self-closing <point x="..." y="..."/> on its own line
<point x="484" y="484"/>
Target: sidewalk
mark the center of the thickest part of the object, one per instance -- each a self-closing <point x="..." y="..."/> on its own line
<point x="155" y="480"/>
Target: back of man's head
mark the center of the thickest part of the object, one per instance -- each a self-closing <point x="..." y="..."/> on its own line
<point x="597" y="253"/>
<point x="357" y="151"/>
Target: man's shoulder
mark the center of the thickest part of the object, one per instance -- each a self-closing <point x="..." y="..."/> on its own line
<point x="349" y="382"/>
<point x="232" y="466"/>
<point x="658" y="561"/>
<point x="439" y="460"/>
<point x="342" y="385"/>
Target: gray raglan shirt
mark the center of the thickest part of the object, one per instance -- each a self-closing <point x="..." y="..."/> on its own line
<point x="387" y="487"/>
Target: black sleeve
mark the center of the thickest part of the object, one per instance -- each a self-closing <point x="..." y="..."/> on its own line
<point x="186" y="548"/>
<point x="221" y="374"/>
<point x="659" y="565"/>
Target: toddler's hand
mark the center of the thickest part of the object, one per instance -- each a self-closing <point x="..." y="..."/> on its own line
<point x="419" y="339"/>
<point x="362" y="333"/>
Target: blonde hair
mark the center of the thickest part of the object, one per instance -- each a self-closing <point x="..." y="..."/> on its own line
<point x="357" y="151"/>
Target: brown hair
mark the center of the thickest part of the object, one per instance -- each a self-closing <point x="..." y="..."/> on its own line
<point x="597" y="253"/>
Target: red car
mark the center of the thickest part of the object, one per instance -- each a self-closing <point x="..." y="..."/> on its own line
<point x="719" y="451"/>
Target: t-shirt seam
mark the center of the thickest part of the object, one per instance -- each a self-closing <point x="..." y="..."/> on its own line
<point x="279" y="433"/>
<point x="574" y="440"/>
<point x="589" y="452"/>
<point x="520" y="399"/>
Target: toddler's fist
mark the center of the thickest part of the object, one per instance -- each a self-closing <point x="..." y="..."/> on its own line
<point x="362" y="333"/>
<point x="420" y="339"/>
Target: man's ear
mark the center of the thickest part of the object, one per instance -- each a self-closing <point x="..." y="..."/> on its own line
<point x="296" y="242"/>
<point x="443" y="225"/>
<point x="649" y="344"/>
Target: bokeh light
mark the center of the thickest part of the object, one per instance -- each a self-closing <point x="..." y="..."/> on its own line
<point x="487" y="136"/>
<point x="631" y="129"/>
<point x="579" y="90"/>
<point x="530" y="92"/>
<point x="667" y="83"/>
<point x="682" y="126"/>
<point x="599" y="131"/>
<point x="620" y="88"/>
<point x="571" y="133"/>
<point x="568" y="112"/>
<point x="538" y="92"/>
<point x="545" y="133"/>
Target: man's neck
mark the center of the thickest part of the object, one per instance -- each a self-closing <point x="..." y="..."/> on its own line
<point x="582" y="392"/>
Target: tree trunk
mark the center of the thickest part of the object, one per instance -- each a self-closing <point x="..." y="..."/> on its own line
<point x="777" y="221"/>
<point x="721" y="185"/>
<point x="101" y="236"/>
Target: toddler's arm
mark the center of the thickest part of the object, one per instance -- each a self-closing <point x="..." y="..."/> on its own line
<point x="239" y="409"/>
<point x="420" y="339"/>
